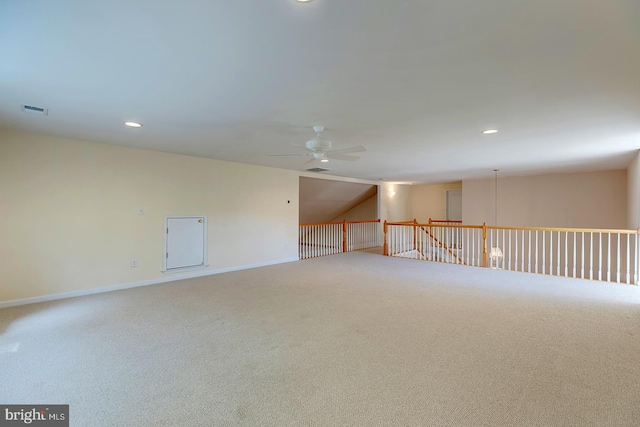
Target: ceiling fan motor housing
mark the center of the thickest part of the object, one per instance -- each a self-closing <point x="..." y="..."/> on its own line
<point x="318" y="144"/>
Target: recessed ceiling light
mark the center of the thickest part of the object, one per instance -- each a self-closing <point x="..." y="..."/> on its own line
<point x="490" y="131"/>
<point x="324" y="160"/>
<point x="133" y="124"/>
<point x="304" y="1"/>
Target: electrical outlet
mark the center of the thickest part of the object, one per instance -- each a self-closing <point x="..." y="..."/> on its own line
<point x="134" y="263"/>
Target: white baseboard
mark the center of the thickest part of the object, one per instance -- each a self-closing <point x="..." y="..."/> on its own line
<point x="172" y="278"/>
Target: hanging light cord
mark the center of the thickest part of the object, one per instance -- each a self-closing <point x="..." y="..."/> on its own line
<point x="496" y="196"/>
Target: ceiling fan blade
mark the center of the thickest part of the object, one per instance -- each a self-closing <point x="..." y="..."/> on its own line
<point x="331" y="155"/>
<point x="304" y="147"/>
<point x="356" y="149"/>
<point x="311" y="160"/>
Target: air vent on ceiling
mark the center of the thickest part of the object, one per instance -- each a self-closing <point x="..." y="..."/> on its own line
<point x="318" y="170"/>
<point x="34" y="110"/>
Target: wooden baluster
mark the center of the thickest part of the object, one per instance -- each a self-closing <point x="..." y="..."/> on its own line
<point x="537" y="270"/>
<point x="591" y="258"/>
<point x="334" y="235"/>
<point x="551" y="253"/>
<point x="628" y="265"/>
<point x="472" y="246"/>
<point x="559" y="251"/>
<point x="574" y="254"/>
<point x="466" y="248"/>
<point x="618" y="259"/>
<point x="636" y="257"/>
<point x="415" y="247"/>
<point x="316" y="241"/>
<point x="522" y="255"/>
<point x="529" y="257"/>
<point x="608" y="257"/>
<point x="582" y="258"/>
<point x="566" y="253"/>
<point x="471" y="238"/>
<point x="599" y="256"/>
<point x="515" y="262"/>
<point x="544" y="255"/>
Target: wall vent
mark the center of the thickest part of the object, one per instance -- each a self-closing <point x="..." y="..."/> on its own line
<point x="34" y="110"/>
<point x="318" y="170"/>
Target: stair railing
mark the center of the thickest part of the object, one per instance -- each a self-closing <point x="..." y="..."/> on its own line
<point x="328" y="238"/>
<point x="596" y="254"/>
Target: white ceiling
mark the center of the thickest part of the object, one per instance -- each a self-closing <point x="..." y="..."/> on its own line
<point x="414" y="81"/>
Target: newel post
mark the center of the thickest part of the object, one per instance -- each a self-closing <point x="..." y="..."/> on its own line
<point x="484" y="245"/>
<point x="385" y="248"/>
<point x="415" y="223"/>
<point x="344" y="235"/>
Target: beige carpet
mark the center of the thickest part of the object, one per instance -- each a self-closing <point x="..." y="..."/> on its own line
<point x="353" y="339"/>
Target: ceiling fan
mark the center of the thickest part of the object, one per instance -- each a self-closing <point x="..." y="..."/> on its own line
<point x="321" y="149"/>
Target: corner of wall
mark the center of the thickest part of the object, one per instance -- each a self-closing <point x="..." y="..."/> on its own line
<point x="633" y="193"/>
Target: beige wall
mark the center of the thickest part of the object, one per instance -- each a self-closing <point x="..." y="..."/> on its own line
<point x="70" y="220"/>
<point x="396" y="207"/>
<point x="582" y="200"/>
<point x="633" y="193"/>
<point x="429" y="200"/>
<point x="364" y="211"/>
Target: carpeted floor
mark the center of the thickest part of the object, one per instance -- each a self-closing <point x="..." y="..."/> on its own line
<point x="353" y="339"/>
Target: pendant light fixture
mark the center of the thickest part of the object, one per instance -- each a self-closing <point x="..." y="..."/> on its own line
<point x="496" y="253"/>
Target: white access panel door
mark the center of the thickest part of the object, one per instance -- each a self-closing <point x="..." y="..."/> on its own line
<point x="185" y="242"/>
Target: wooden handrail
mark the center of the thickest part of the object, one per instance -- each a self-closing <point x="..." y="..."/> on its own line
<point x="341" y="222"/>
<point x="436" y="225"/>
<point x="320" y="223"/>
<point x="493" y="227"/>
<point x="568" y="230"/>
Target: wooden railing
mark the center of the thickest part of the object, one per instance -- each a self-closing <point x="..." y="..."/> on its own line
<point x="444" y="221"/>
<point x="597" y="254"/>
<point x="328" y="238"/>
<point x="441" y="243"/>
<point x="450" y="236"/>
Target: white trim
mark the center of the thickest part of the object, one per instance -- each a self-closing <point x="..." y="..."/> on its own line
<point x="85" y="292"/>
<point x="183" y="269"/>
